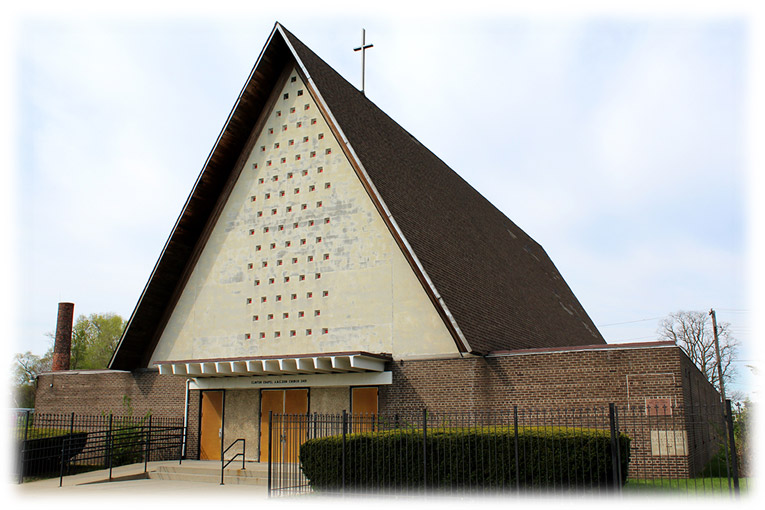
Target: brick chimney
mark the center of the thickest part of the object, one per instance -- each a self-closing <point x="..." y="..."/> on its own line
<point x="62" y="348"/>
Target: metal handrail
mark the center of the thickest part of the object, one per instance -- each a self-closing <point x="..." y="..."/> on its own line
<point x="224" y="464"/>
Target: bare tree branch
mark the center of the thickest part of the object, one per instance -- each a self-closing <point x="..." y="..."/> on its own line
<point x="693" y="332"/>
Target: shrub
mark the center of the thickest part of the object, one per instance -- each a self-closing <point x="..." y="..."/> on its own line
<point x="41" y="452"/>
<point x="474" y="457"/>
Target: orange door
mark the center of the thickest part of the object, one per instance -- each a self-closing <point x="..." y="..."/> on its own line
<point x="270" y="401"/>
<point x="211" y="425"/>
<point x="363" y="408"/>
<point x="288" y="433"/>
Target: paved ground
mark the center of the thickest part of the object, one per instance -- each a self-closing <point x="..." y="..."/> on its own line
<point x="130" y="481"/>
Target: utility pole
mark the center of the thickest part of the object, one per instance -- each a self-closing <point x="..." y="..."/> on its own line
<point x="726" y="408"/>
<point x="717" y="352"/>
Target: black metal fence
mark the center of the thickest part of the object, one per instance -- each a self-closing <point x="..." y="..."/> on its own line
<point x="54" y="445"/>
<point x="590" y="450"/>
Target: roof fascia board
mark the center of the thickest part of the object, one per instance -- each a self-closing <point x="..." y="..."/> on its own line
<point x="193" y="190"/>
<point x="236" y="171"/>
<point x="398" y="235"/>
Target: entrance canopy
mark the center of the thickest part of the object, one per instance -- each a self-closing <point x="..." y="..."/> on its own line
<point x="319" y="363"/>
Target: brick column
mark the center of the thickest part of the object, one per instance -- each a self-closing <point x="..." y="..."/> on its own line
<point x="62" y="348"/>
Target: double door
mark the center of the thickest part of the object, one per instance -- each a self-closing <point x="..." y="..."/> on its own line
<point x="288" y="433"/>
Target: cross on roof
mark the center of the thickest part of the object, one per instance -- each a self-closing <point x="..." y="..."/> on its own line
<point x="363" y="49"/>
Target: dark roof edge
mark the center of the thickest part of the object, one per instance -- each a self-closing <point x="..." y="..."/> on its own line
<point x="596" y="347"/>
<point x="409" y="254"/>
<point x="191" y="195"/>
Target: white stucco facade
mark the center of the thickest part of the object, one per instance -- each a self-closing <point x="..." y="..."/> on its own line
<point x="300" y="260"/>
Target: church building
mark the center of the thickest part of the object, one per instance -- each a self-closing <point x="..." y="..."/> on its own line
<point x="325" y="260"/>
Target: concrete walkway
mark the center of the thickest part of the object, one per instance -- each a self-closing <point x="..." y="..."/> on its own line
<point x="131" y="481"/>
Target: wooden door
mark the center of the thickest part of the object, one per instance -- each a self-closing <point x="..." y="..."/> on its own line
<point x="288" y="433"/>
<point x="211" y="425"/>
<point x="363" y="408"/>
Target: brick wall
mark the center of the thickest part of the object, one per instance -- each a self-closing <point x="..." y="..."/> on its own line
<point x="96" y="392"/>
<point x="626" y="376"/>
<point x="630" y="377"/>
<point x="554" y="379"/>
<point x="106" y="391"/>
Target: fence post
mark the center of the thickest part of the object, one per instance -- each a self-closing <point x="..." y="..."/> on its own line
<point x="517" y="459"/>
<point x="270" y="442"/>
<point x="61" y="467"/>
<point x="109" y="445"/>
<point x="345" y="432"/>
<point x="618" y="447"/>
<point x="424" y="449"/>
<point x="222" y="437"/>
<point x="617" y="483"/>
<point x="732" y="442"/>
<point x="148" y="448"/>
<point x="24" y="448"/>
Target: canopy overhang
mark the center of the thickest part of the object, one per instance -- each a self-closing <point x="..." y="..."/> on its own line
<point x="330" y="363"/>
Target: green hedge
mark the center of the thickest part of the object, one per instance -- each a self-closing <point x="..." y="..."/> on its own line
<point x="481" y="458"/>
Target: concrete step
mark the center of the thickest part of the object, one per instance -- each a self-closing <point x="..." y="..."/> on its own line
<point x="209" y="472"/>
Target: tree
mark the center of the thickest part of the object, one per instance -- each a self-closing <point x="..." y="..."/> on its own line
<point x="94" y="339"/>
<point x="25" y="368"/>
<point x="693" y="332"/>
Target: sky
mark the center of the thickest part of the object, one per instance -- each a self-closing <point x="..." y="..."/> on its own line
<point x="621" y="141"/>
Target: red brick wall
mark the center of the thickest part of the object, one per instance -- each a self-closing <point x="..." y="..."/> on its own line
<point x="105" y="391"/>
<point x="96" y="392"/>
<point x="587" y="378"/>
<point x="552" y="379"/>
<point x="543" y="380"/>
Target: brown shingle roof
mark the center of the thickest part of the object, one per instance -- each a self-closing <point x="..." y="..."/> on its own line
<point x="499" y="285"/>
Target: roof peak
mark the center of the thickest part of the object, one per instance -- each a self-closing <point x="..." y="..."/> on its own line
<point x="495" y="290"/>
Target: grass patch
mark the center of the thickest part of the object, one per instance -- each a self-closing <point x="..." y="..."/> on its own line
<point x="700" y="485"/>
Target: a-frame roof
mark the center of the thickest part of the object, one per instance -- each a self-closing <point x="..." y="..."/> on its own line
<point x="494" y="286"/>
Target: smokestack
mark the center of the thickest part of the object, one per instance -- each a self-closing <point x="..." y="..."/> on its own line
<point x="62" y="348"/>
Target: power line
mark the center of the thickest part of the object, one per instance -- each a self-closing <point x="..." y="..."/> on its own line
<point x="636" y="338"/>
<point x="629" y="322"/>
